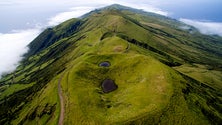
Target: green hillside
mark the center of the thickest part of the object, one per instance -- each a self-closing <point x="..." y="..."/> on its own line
<point x="116" y="65"/>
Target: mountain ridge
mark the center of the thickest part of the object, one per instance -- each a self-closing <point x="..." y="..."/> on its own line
<point x="152" y="61"/>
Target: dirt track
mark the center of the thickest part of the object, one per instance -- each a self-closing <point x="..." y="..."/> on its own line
<point x="62" y="108"/>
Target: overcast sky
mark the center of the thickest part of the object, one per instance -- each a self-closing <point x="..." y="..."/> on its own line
<point x="22" y="20"/>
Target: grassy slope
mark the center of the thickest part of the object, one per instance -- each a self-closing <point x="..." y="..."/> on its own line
<point x="153" y="92"/>
<point x="43" y="109"/>
<point x="202" y="73"/>
<point x="142" y="97"/>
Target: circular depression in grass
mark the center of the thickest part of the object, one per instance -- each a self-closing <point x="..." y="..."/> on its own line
<point x="104" y="64"/>
<point x="108" y="85"/>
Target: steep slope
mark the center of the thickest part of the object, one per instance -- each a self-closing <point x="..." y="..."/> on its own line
<point x="149" y="60"/>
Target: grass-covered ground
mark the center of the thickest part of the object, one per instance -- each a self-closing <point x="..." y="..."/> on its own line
<point x="142" y="88"/>
<point x="204" y="74"/>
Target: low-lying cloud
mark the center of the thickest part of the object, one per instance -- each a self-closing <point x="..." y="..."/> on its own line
<point x="73" y="12"/>
<point x="205" y="27"/>
<point x="13" y="46"/>
<point x="146" y="6"/>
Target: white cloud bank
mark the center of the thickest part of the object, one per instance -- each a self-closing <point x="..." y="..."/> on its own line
<point x="13" y="46"/>
<point x="146" y="7"/>
<point x="73" y="12"/>
<point x="205" y="27"/>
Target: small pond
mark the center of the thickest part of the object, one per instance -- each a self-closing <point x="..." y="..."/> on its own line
<point x="104" y="64"/>
<point x="108" y="85"/>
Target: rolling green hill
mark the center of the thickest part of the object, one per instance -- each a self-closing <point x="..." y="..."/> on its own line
<point x="116" y="65"/>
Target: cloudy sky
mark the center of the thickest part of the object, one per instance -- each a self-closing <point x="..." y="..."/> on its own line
<point x="22" y="20"/>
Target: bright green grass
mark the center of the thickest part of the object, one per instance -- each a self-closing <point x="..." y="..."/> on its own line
<point x="201" y="73"/>
<point x="146" y="91"/>
<point x="112" y="45"/>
